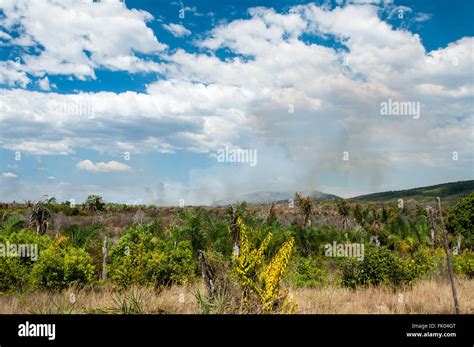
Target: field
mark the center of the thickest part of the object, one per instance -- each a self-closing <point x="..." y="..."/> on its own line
<point x="425" y="296"/>
<point x="302" y="256"/>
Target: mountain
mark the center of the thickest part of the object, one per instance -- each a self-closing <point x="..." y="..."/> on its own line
<point x="267" y="197"/>
<point x="449" y="193"/>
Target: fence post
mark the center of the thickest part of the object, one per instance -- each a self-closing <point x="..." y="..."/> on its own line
<point x="104" y="259"/>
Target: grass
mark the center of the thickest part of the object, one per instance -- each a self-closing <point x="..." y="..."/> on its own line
<point x="432" y="296"/>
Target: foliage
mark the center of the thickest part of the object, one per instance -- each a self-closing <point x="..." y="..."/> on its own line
<point x="379" y="266"/>
<point x="261" y="285"/>
<point x="41" y="214"/>
<point x="94" y="203"/>
<point x="460" y="219"/>
<point x="59" y="268"/>
<point x="307" y="272"/>
<point x="140" y="258"/>
<point x="463" y="264"/>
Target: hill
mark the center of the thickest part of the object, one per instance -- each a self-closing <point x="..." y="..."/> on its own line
<point x="449" y="193"/>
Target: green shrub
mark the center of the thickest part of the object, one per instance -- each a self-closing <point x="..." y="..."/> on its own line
<point x="463" y="264"/>
<point x="58" y="268"/>
<point x="81" y="236"/>
<point x="379" y="266"/>
<point x="171" y="264"/>
<point x="140" y="258"/>
<point x="15" y="272"/>
<point x="307" y="272"/>
<point x="48" y="272"/>
<point x="78" y="267"/>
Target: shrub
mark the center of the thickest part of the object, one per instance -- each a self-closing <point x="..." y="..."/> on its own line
<point x="15" y="272"/>
<point x="379" y="266"/>
<point x="78" y="267"/>
<point x="59" y="268"/>
<point x="463" y="264"/>
<point x="307" y="272"/>
<point x="140" y="258"/>
<point x="171" y="264"/>
<point x="261" y="284"/>
<point x="81" y="236"/>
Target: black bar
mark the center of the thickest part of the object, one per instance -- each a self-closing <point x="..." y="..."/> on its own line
<point x="219" y="330"/>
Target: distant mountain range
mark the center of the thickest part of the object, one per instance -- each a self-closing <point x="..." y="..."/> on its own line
<point x="450" y="193"/>
<point x="268" y="197"/>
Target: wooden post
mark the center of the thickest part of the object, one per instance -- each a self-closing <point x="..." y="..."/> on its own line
<point x="448" y="259"/>
<point x="104" y="259"/>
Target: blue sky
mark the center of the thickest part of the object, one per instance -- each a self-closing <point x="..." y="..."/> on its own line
<point x="134" y="100"/>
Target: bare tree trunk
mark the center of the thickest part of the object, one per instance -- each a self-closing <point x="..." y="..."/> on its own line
<point x="448" y="259"/>
<point x="207" y="274"/>
<point x="104" y="259"/>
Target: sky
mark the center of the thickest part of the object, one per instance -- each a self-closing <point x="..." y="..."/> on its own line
<point x="146" y="101"/>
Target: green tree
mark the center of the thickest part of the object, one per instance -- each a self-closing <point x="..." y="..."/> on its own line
<point x="460" y="219"/>
<point x="94" y="203"/>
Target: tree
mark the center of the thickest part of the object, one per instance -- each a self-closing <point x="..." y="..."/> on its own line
<point x="343" y="210"/>
<point x="358" y="214"/>
<point x="460" y="220"/>
<point x="94" y="203"/>
<point x="41" y="214"/>
<point x="305" y="205"/>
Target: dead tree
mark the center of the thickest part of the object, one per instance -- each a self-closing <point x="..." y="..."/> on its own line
<point x="305" y="205"/>
<point x="207" y="275"/>
<point x="272" y="212"/>
<point x="234" y="229"/>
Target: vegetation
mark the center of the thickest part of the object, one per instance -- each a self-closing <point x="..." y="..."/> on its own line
<point x="242" y="259"/>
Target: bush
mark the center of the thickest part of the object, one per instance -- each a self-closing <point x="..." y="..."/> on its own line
<point x="307" y="272"/>
<point x="463" y="264"/>
<point x="48" y="272"/>
<point x="140" y="258"/>
<point x="379" y="266"/>
<point x="171" y="264"/>
<point x="15" y="272"/>
<point x="59" y="268"/>
<point x="81" y="236"/>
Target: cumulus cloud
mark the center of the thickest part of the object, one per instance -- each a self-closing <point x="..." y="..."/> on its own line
<point x="177" y="30"/>
<point x="102" y="166"/>
<point x="9" y="175"/>
<point x="83" y="36"/>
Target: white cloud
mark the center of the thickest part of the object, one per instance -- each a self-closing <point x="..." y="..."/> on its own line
<point x="44" y="84"/>
<point x="4" y="36"/>
<point x="9" y="175"/>
<point x="102" y="166"/>
<point x="12" y="76"/>
<point x="177" y="30"/>
<point x="83" y="36"/>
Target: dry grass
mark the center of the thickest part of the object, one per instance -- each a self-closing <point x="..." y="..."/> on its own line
<point x="426" y="296"/>
<point x="178" y="300"/>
